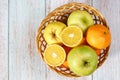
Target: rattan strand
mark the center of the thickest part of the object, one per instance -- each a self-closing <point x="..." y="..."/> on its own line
<point x="61" y="14"/>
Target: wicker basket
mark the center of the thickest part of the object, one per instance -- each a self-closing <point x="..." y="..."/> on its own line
<point x="61" y="14"/>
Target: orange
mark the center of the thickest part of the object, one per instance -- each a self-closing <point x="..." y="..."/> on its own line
<point x="98" y="51"/>
<point x="67" y="49"/>
<point x="72" y="36"/>
<point x="65" y="64"/>
<point x="98" y="36"/>
<point x="83" y="42"/>
<point x="54" y="55"/>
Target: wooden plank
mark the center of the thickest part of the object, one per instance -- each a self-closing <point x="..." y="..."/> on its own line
<point x="3" y="39"/>
<point x="89" y="2"/>
<point x="110" y="70"/>
<point x="25" y="62"/>
<point x="50" y="6"/>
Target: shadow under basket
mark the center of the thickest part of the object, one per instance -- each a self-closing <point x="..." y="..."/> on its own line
<point x="61" y="14"/>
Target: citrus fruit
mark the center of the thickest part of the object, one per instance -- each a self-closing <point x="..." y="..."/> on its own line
<point x="98" y="51"/>
<point x="54" y="55"/>
<point x="65" y="64"/>
<point x="83" y="42"/>
<point x="72" y="36"/>
<point x="98" y="36"/>
<point x="66" y="48"/>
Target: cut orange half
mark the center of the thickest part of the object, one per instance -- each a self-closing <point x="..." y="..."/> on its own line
<point x="54" y="55"/>
<point x="72" y="36"/>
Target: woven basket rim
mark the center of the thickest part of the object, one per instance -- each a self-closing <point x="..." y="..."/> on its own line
<point x="49" y="15"/>
<point x="52" y="12"/>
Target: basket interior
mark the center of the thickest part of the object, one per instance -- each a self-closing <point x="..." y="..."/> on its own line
<point x="61" y="14"/>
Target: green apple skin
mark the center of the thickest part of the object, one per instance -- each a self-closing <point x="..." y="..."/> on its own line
<point x="81" y="18"/>
<point x="82" y="60"/>
<point x="52" y="32"/>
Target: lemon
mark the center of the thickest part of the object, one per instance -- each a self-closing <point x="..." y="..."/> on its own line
<point x="54" y="55"/>
<point x="72" y="36"/>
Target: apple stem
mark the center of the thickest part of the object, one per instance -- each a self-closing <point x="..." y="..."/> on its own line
<point x="53" y="34"/>
<point x="85" y="63"/>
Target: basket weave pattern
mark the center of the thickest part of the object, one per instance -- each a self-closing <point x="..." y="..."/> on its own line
<point x="61" y="14"/>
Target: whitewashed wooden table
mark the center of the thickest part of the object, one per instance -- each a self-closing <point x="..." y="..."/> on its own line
<point x="19" y="21"/>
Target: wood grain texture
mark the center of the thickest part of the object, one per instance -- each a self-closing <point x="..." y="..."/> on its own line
<point x="3" y="39"/>
<point x="89" y="2"/>
<point x="25" y="62"/>
<point x="110" y="70"/>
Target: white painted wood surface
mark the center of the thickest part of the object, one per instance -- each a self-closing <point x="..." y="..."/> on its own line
<point x="110" y="70"/>
<point x="3" y="39"/>
<point x="19" y="58"/>
<point x="24" y="60"/>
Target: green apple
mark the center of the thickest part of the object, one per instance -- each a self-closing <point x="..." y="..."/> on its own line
<point x="81" y="18"/>
<point x="82" y="60"/>
<point x="52" y="32"/>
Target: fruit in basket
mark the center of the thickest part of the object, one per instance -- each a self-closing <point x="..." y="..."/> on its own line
<point x="83" y="42"/>
<point x="65" y="64"/>
<point x="54" y="55"/>
<point x="52" y="32"/>
<point x="72" y="36"/>
<point x="98" y="51"/>
<point x="81" y="18"/>
<point x="66" y="48"/>
<point x="82" y="60"/>
<point x="98" y="36"/>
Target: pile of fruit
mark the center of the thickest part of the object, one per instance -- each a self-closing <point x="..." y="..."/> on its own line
<point x="77" y="44"/>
